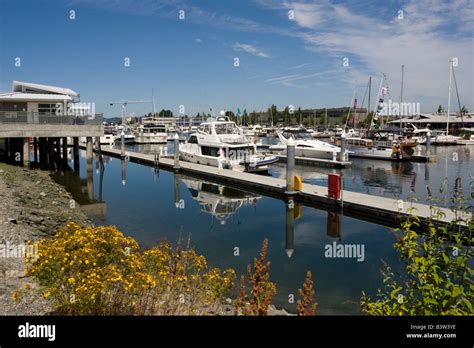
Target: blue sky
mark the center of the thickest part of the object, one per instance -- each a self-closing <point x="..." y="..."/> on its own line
<point x="285" y="61"/>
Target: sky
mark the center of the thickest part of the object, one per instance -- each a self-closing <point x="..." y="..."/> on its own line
<point x="302" y="53"/>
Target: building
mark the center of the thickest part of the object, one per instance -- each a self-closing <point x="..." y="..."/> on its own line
<point x="438" y="121"/>
<point x="335" y="116"/>
<point x="46" y="115"/>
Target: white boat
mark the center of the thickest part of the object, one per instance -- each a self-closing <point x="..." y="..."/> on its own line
<point x="418" y="135"/>
<point x="254" y="131"/>
<point x="366" y="148"/>
<point x="107" y="139"/>
<point x="467" y="140"/>
<point x="151" y="134"/>
<point x="445" y="139"/>
<point x="220" y="143"/>
<point x="129" y="138"/>
<point x="220" y="201"/>
<point x="305" y="144"/>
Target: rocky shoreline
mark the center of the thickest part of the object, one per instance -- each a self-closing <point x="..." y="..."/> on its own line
<point x="33" y="207"/>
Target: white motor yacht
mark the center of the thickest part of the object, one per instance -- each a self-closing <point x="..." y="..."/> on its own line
<point x="220" y="143"/>
<point x="305" y="144"/>
<point x="151" y="134"/>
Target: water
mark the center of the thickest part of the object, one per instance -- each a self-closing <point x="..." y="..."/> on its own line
<point x="151" y="207"/>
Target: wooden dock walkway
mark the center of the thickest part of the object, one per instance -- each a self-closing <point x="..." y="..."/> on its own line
<point x="376" y="209"/>
<point x="317" y="162"/>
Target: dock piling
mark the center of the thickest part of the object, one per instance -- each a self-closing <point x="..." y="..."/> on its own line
<point x="289" y="230"/>
<point x="26" y="152"/>
<point x="76" y="153"/>
<point x="89" y="149"/>
<point x="428" y="144"/>
<point x="290" y="167"/>
<point x="122" y="144"/>
<point x="176" y="152"/>
<point x="342" y="154"/>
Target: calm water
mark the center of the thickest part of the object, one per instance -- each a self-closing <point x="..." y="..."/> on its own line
<point x="152" y="207"/>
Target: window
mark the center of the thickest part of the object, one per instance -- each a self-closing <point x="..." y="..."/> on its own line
<point x="226" y="128"/>
<point x="193" y="140"/>
<point x="210" y="151"/>
<point x="47" y="108"/>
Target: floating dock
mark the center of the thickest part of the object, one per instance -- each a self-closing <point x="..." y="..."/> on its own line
<point x="317" y="162"/>
<point x="414" y="158"/>
<point x="380" y="210"/>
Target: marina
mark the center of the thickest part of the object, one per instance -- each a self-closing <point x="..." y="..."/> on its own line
<point x="220" y="212"/>
<point x="212" y="165"/>
<point x="378" y="209"/>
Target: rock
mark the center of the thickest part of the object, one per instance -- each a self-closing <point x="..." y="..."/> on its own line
<point x="13" y="221"/>
<point x="272" y="310"/>
<point x="42" y="194"/>
<point x="228" y="300"/>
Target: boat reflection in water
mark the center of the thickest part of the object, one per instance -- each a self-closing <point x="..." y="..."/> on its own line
<point x="220" y="201"/>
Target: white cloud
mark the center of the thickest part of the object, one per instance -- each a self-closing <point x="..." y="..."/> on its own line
<point x="251" y="49"/>
<point x="429" y="35"/>
<point x="198" y="40"/>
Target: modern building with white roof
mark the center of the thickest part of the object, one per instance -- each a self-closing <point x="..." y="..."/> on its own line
<point x="45" y="116"/>
<point x="35" y="98"/>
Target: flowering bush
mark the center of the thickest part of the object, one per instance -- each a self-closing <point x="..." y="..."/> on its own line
<point x="99" y="271"/>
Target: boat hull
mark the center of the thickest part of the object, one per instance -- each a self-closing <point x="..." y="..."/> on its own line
<point x="258" y="166"/>
<point x="154" y="139"/>
<point x="304" y="152"/>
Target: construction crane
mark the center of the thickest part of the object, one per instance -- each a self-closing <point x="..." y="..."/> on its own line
<point x="124" y="104"/>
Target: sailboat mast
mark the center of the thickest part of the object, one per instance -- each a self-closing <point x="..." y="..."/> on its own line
<point x="401" y="98"/>
<point x="449" y="94"/>
<point x="153" y="101"/>
<point x="377" y="102"/>
<point x="459" y="100"/>
<point x="370" y="88"/>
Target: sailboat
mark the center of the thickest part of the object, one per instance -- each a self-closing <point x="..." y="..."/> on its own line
<point x="381" y="143"/>
<point x="447" y="139"/>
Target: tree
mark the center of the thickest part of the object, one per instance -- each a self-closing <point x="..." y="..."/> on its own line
<point x="273" y="114"/>
<point x="299" y="116"/>
<point x="440" y="109"/>
<point x="245" y="117"/>
<point x="253" y="117"/>
<point x="286" y="115"/>
<point x="165" y="113"/>
<point x="464" y="110"/>
<point x="231" y="115"/>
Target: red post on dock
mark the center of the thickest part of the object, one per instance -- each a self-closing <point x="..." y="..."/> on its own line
<point x="334" y="186"/>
